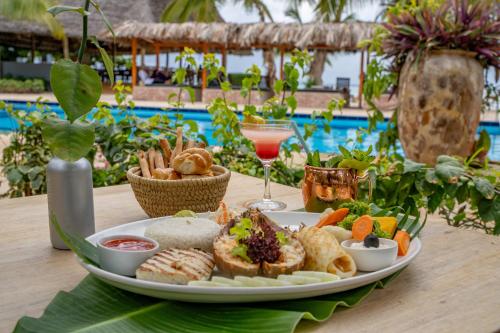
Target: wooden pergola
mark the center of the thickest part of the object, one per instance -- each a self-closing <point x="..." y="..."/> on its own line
<point x="232" y="37"/>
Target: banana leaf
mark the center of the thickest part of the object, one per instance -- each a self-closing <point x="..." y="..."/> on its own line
<point x="94" y="306"/>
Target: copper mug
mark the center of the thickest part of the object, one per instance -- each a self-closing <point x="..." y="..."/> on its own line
<point x="324" y="188"/>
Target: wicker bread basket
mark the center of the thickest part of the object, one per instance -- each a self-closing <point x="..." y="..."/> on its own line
<point x="167" y="197"/>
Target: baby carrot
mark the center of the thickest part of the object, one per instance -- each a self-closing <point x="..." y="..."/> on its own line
<point x="403" y="240"/>
<point x="333" y="218"/>
<point x="362" y="227"/>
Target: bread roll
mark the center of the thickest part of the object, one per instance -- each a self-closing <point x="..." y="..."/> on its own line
<point x="167" y="152"/>
<point x="165" y="174"/>
<point x="194" y="161"/>
<point x="159" y="160"/>
<point x="178" y="146"/>
<point x="151" y="159"/>
<point x="143" y="163"/>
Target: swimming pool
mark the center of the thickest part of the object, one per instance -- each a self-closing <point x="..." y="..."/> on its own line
<point x="343" y="127"/>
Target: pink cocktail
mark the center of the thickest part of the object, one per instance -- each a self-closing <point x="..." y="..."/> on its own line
<point x="267" y="141"/>
<point x="267" y="138"/>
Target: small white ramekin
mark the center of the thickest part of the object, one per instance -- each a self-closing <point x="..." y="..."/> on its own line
<point x="372" y="259"/>
<point x="123" y="262"/>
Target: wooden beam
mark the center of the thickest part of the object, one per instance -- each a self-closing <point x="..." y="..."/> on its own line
<point x="204" y="72"/>
<point x="143" y="57"/>
<point x="361" y="78"/>
<point x="282" y="63"/>
<point x="134" y="62"/>
<point x="157" y="52"/>
<point x="224" y="57"/>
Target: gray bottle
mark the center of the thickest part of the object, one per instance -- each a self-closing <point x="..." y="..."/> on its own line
<point x="70" y="198"/>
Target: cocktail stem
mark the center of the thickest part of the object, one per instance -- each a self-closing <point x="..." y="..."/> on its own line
<point x="267" y="181"/>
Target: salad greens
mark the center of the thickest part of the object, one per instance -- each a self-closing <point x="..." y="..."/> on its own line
<point x="356" y="159"/>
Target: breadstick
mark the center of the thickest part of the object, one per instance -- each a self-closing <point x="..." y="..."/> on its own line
<point x="151" y="159"/>
<point x="167" y="151"/>
<point x="178" y="145"/>
<point x="190" y="144"/>
<point x="159" y="160"/>
<point x="143" y="164"/>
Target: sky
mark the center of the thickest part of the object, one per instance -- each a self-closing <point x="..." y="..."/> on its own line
<point x="236" y="13"/>
<point x="345" y="65"/>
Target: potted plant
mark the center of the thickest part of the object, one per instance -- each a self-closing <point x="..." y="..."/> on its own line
<point x="330" y="183"/>
<point x="439" y="53"/>
<point x="77" y="88"/>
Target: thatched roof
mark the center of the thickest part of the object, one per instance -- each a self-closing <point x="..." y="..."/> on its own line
<point x="233" y="36"/>
<point x="22" y="33"/>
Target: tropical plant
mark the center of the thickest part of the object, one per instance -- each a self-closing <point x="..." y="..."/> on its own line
<point x="180" y="11"/>
<point x="22" y="86"/>
<point x="411" y="32"/>
<point x="25" y="159"/>
<point x="77" y="88"/>
<point x="326" y="11"/>
<point x="207" y="11"/>
<point x="464" y="195"/>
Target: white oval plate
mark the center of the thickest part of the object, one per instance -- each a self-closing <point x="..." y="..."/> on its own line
<point x="234" y="294"/>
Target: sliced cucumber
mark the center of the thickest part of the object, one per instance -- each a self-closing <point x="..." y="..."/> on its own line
<point x="250" y="282"/>
<point x="297" y="279"/>
<point x="323" y="276"/>
<point x="204" y="283"/>
<point x="226" y="281"/>
<point x="273" y="282"/>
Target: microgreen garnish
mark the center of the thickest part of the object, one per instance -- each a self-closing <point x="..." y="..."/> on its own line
<point x="241" y="251"/>
<point x="281" y="237"/>
<point x="241" y="229"/>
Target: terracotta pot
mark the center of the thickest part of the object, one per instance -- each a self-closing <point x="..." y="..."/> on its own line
<point x="328" y="187"/>
<point x="440" y="105"/>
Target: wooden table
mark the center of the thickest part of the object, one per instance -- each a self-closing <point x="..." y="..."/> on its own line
<point x="453" y="285"/>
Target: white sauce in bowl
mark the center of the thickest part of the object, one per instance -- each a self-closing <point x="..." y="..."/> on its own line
<point x="360" y="245"/>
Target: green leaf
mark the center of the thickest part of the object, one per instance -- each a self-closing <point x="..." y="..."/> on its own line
<point x="96" y="306"/>
<point x="108" y="63"/>
<point x="104" y="18"/>
<point x="449" y="172"/>
<point x="81" y="247"/>
<point x="191" y="93"/>
<point x="410" y="166"/>
<point x="278" y="86"/>
<point x="56" y="10"/>
<point x="14" y="176"/>
<point x="484" y="187"/>
<point x="77" y="87"/>
<point x="68" y="141"/>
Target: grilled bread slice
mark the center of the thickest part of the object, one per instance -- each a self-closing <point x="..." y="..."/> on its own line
<point x="292" y="259"/>
<point x="292" y="254"/>
<point x="176" y="266"/>
<point x="229" y="264"/>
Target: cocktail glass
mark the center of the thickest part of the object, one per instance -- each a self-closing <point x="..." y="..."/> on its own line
<point x="267" y="138"/>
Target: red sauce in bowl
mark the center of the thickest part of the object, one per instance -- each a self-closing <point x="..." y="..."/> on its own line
<point x="129" y="244"/>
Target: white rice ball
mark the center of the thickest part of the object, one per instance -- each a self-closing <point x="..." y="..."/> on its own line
<point x="184" y="233"/>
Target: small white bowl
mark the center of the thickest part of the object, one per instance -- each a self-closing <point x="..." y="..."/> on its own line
<point x="123" y="262"/>
<point x="372" y="259"/>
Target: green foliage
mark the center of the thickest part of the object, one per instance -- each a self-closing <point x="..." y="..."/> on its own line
<point x="22" y="86"/>
<point x="68" y="141"/>
<point x="77" y="88"/>
<point x="355" y="159"/>
<point x="25" y="159"/>
<point x="463" y="195"/>
<point x="129" y="312"/>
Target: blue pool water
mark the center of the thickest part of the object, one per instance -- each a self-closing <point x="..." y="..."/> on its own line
<point x="343" y="127"/>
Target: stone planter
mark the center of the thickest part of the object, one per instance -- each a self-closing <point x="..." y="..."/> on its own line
<point x="440" y="105"/>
